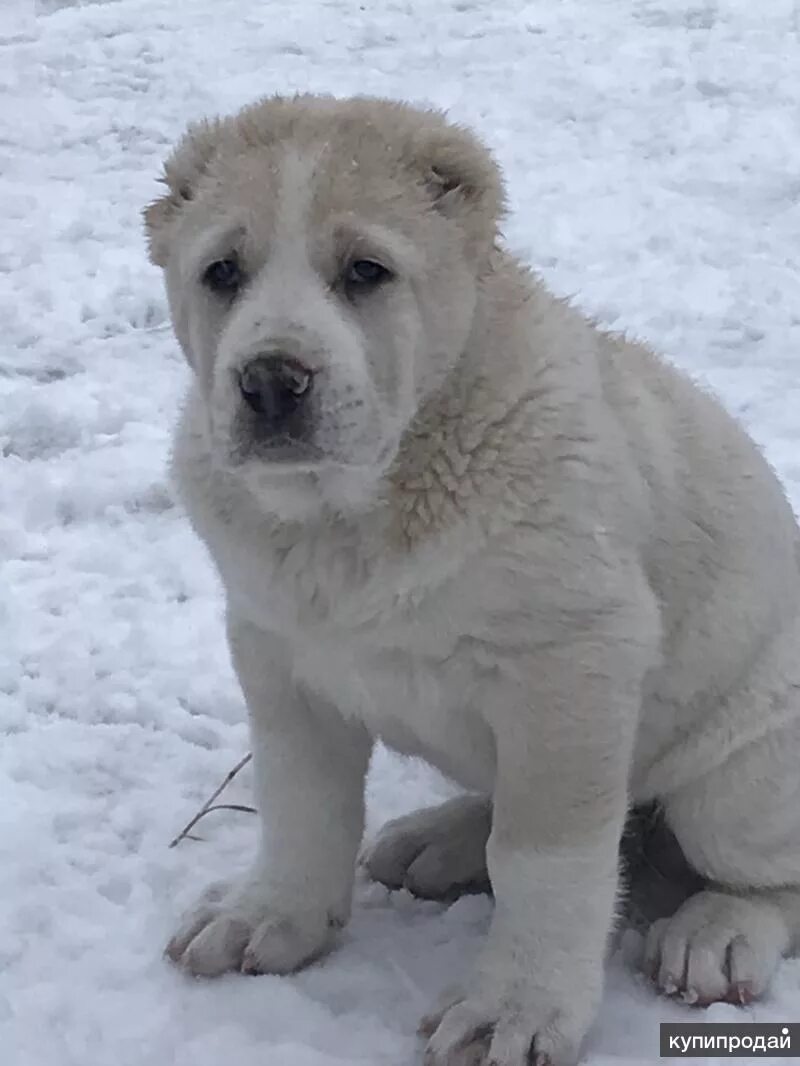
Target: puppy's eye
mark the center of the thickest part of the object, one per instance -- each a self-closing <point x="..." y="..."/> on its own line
<point x="364" y="274"/>
<point x="224" y="277"/>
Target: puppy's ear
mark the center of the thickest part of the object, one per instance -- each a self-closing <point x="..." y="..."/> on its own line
<point x="463" y="180"/>
<point x="182" y="171"/>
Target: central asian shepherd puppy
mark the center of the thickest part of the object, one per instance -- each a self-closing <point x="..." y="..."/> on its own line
<point x="450" y="513"/>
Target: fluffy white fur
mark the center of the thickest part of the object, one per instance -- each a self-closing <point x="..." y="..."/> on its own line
<point x="525" y="550"/>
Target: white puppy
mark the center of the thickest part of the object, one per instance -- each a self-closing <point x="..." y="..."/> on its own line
<point x="451" y="513"/>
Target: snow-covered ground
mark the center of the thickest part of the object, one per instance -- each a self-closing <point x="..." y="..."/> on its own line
<point x="653" y="158"/>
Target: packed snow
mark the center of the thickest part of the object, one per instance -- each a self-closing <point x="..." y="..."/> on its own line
<point x="653" y="161"/>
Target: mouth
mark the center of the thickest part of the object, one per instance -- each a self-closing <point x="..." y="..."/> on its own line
<point x="290" y="452"/>
<point x="245" y="441"/>
<point x="279" y="451"/>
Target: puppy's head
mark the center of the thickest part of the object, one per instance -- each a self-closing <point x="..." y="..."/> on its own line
<point x="322" y="262"/>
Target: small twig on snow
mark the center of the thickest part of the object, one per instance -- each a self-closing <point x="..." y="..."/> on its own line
<point x="210" y="805"/>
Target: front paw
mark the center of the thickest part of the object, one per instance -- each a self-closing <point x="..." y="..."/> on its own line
<point x="510" y="1021"/>
<point x="241" y="928"/>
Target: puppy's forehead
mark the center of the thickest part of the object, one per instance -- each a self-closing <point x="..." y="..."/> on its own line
<point x="296" y="187"/>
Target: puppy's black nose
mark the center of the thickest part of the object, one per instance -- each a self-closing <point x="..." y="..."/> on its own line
<point x="275" y="387"/>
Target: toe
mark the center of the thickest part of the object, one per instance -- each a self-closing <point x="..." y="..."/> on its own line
<point x="192" y="925"/>
<point x="706" y="977"/>
<point x="749" y="969"/>
<point x="461" y="1027"/>
<point x="217" y="948"/>
<point x="651" y="956"/>
<point x="281" y="946"/>
<point x="671" y="976"/>
<point x="512" y="1045"/>
<point x="558" y="1042"/>
<point x="388" y="860"/>
<point x="433" y="1019"/>
<point x="429" y="875"/>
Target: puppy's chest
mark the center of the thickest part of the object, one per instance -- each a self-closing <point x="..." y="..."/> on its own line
<point x="387" y="643"/>
<point x="413" y="685"/>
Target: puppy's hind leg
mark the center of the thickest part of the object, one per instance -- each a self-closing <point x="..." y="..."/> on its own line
<point x="437" y="852"/>
<point x="738" y="826"/>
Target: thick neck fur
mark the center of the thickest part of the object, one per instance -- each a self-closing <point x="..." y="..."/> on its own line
<point x="467" y="455"/>
<point x="467" y="466"/>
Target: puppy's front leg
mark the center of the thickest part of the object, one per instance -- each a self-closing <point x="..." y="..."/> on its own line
<point x="564" y="736"/>
<point x="310" y="766"/>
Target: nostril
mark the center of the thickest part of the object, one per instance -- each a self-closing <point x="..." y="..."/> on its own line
<point x="274" y="386"/>
<point x="295" y="377"/>
<point x="250" y="387"/>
